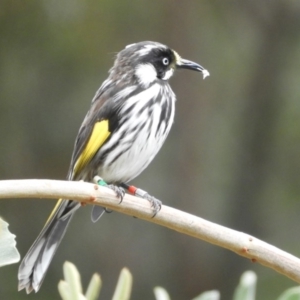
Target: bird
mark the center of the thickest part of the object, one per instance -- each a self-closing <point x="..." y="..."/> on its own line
<point x="128" y="121"/>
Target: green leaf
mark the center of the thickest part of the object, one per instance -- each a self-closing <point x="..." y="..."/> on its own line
<point x="161" y="294"/>
<point x="93" y="290"/>
<point x="247" y="287"/>
<point x="291" y="294"/>
<point x="72" y="278"/>
<point x="64" y="290"/>
<point x="209" y="295"/>
<point x="124" y="285"/>
<point x="8" y="251"/>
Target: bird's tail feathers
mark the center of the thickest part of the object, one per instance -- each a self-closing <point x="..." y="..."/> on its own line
<point x="34" y="265"/>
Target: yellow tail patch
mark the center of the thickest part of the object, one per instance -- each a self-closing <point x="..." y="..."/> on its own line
<point x="57" y="205"/>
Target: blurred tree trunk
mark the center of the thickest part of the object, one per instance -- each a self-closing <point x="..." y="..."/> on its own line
<point x="260" y="115"/>
<point x="258" y="122"/>
<point x="261" y="109"/>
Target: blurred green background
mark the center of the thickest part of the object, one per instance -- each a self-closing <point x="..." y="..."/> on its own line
<point x="232" y="156"/>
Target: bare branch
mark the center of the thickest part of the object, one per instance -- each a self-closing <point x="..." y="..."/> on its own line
<point x="238" y="242"/>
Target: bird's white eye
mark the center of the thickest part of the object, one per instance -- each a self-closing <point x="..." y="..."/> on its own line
<point x="165" y="61"/>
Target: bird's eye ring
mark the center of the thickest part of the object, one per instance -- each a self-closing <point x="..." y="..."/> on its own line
<point x="165" y="61"/>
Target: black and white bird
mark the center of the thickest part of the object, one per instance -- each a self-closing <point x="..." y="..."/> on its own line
<point x="128" y="121"/>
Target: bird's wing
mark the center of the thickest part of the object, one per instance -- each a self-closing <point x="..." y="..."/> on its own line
<point x="100" y="121"/>
<point x="97" y="137"/>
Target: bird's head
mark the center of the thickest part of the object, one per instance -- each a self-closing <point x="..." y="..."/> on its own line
<point x="151" y="61"/>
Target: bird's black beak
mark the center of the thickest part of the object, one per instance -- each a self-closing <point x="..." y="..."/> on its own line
<point x="190" y="65"/>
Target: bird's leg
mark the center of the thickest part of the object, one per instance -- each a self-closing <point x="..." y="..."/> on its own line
<point x="120" y="191"/>
<point x="155" y="203"/>
<point x="117" y="189"/>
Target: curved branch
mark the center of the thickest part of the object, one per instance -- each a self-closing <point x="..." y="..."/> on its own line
<point x="238" y="242"/>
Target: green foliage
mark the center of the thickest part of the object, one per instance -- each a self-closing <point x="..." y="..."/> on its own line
<point x="291" y="294"/>
<point x="161" y="294"/>
<point x="246" y="288"/>
<point x="8" y="251"/>
<point x="71" y="288"/>
<point x="123" y="289"/>
<point x="209" y="295"/>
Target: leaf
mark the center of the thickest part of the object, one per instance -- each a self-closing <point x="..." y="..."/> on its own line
<point x="291" y="294"/>
<point x="247" y="287"/>
<point x="209" y="295"/>
<point x="161" y="294"/>
<point x="93" y="290"/>
<point x="124" y="285"/>
<point x="71" y="288"/>
<point x="8" y="251"/>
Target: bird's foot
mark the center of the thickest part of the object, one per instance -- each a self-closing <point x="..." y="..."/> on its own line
<point x="120" y="191"/>
<point x="155" y="203"/>
<point x="117" y="189"/>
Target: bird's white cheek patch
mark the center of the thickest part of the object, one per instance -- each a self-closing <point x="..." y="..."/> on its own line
<point x="168" y="74"/>
<point x="146" y="74"/>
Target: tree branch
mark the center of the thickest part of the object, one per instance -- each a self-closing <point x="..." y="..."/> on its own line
<point x="238" y="242"/>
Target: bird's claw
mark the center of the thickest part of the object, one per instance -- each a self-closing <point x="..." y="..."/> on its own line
<point x="155" y="203"/>
<point x="118" y="190"/>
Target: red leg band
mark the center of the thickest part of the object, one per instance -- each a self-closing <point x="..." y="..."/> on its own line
<point x="132" y="189"/>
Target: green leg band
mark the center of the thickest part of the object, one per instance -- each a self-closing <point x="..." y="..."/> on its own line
<point x="100" y="181"/>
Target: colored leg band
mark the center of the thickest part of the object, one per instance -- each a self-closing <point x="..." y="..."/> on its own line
<point x="141" y="193"/>
<point x="135" y="191"/>
<point x="132" y="189"/>
<point x="100" y="181"/>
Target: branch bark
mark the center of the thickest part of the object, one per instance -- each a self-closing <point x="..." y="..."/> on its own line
<point x="238" y="242"/>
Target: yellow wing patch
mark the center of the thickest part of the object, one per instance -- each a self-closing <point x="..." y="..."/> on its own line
<point x="99" y="135"/>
